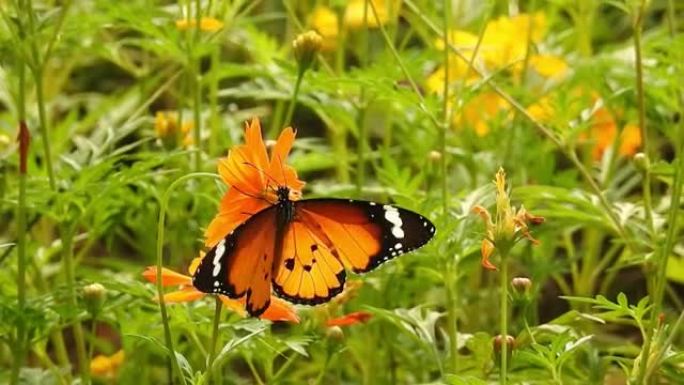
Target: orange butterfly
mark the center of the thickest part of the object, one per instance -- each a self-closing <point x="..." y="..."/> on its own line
<point x="301" y="248"/>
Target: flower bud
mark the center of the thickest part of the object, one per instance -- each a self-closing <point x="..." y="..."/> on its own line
<point x="94" y="296"/>
<point x="641" y="162"/>
<point x="499" y="341"/>
<point x="335" y="333"/>
<point x="305" y="47"/>
<point x="435" y="156"/>
<point x="522" y="287"/>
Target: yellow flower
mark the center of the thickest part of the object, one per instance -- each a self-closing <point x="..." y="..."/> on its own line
<point x="325" y="21"/>
<point x="107" y="366"/>
<point x="630" y="140"/>
<point x="549" y="66"/>
<point x="167" y="129"/>
<point x="207" y="24"/>
<point x="510" y="227"/>
<point x="357" y="15"/>
<point x="543" y="110"/>
<point x="504" y="41"/>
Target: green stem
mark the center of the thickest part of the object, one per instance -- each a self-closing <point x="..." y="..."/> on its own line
<point x="160" y="289"/>
<point x="21" y="343"/>
<point x="69" y="272"/>
<point x="214" y="118"/>
<point x="214" y="339"/>
<point x="452" y="327"/>
<point x="37" y="71"/>
<point x="295" y="95"/>
<point x="503" y="296"/>
<point x="361" y="148"/>
<point x="197" y="113"/>
<point x="641" y="107"/>
<point x="665" y="251"/>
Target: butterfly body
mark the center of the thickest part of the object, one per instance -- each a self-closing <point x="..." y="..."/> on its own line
<point x="301" y="249"/>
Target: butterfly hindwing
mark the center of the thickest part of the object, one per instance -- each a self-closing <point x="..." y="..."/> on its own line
<point x="309" y="272"/>
<point x="240" y="264"/>
<point x="365" y="234"/>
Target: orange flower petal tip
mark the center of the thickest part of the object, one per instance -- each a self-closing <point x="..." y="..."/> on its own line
<point x="280" y="310"/>
<point x="350" y="319"/>
<point x="188" y="294"/>
<point x="169" y="277"/>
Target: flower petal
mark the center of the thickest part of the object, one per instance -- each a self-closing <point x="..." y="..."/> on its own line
<point x="187" y="294"/>
<point x="280" y="310"/>
<point x="234" y="305"/>
<point x="487" y="249"/>
<point x="350" y="319"/>
<point x="235" y="208"/>
<point x="169" y="277"/>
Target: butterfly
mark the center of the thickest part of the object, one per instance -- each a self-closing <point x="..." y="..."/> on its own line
<point x="302" y="249"/>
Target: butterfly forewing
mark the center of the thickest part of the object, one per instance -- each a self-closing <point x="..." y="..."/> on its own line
<point x="365" y="234"/>
<point x="240" y="264"/>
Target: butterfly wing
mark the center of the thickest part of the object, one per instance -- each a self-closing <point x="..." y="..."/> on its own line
<point x="309" y="272"/>
<point x="365" y="234"/>
<point x="329" y="235"/>
<point x="241" y="263"/>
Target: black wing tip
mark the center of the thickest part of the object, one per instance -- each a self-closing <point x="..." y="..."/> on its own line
<point x="257" y="312"/>
<point x="316" y="300"/>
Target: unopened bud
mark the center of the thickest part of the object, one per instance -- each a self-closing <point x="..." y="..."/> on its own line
<point x="521" y="284"/>
<point x="521" y="288"/>
<point x="641" y="162"/>
<point x="305" y="47"/>
<point x="94" y="296"/>
<point x="499" y="341"/>
<point x="335" y="333"/>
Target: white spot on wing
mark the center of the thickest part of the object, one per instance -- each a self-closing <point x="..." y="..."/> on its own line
<point x="398" y="246"/>
<point x="392" y="216"/>
<point x="218" y="254"/>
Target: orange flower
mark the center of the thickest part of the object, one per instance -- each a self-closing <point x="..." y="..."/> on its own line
<point x="279" y="310"/>
<point x="253" y="178"/>
<point x="350" y="319"/>
<point x="107" y="366"/>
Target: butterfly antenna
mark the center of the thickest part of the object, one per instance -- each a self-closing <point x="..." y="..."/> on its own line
<point x="282" y="169"/>
<point x="263" y="172"/>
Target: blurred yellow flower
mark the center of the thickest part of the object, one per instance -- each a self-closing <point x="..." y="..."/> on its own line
<point x="325" y="21"/>
<point x="107" y="366"/>
<point x="630" y="140"/>
<point x="356" y="15"/>
<point x="549" y="66"/>
<point x="504" y="41"/>
<point x="207" y="24"/>
<point x="480" y="111"/>
<point x="167" y="129"/>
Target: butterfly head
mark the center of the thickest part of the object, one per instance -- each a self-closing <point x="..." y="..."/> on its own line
<point x="283" y="193"/>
